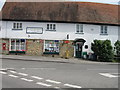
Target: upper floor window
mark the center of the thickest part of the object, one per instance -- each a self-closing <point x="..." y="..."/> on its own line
<point x="51" y="27"/>
<point x="104" y="30"/>
<point x="79" y="28"/>
<point x="17" y="26"/>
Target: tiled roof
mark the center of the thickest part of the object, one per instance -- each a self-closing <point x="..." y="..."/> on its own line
<point x="61" y="11"/>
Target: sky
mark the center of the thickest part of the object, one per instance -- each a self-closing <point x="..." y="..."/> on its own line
<point x="100" y="1"/>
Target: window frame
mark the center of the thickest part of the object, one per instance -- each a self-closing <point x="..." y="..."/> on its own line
<point x="51" y="27"/>
<point x="17" y="26"/>
<point x="19" y="45"/>
<point x="103" y="30"/>
<point x="79" y="29"/>
<point x="51" y="46"/>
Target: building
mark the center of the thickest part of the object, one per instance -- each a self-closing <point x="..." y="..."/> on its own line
<point x="56" y="28"/>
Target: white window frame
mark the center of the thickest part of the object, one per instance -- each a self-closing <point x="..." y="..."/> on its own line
<point x="17" y="26"/>
<point x="16" y="45"/>
<point x="51" y="27"/>
<point x="103" y="30"/>
<point x="79" y="29"/>
<point x="49" y="45"/>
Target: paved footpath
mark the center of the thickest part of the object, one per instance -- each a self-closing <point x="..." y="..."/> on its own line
<point x="50" y="59"/>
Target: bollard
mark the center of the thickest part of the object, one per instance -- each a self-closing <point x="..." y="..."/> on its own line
<point x="67" y="54"/>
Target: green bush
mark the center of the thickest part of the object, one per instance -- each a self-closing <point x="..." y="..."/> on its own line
<point x="117" y="47"/>
<point x="103" y="50"/>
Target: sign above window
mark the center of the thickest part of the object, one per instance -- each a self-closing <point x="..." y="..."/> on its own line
<point x="34" y="30"/>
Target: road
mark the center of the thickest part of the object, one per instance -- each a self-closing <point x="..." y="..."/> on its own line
<point x="33" y="74"/>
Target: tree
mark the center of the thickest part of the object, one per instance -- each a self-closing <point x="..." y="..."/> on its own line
<point x="103" y="50"/>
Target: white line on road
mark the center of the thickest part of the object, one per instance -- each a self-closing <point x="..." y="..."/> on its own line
<point x="52" y="81"/>
<point x="56" y="87"/>
<point x="102" y="69"/>
<point x="36" y="77"/>
<point x="23" y="74"/>
<point x="108" y="75"/>
<point x="73" y="86"/>
<point x="3" y="72"/>
<point x="13" y="72"/>
<point x="44" y="84"/>
<point x="13" y="76"/>
<point x="28" y="80"/>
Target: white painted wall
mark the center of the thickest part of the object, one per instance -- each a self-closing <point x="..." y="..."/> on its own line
<point x="91" y="32"/>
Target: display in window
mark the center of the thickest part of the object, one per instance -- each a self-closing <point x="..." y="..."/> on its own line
<point x="52" y="46"/>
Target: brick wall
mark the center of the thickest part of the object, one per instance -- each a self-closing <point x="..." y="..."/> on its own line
<point x="69" y="48"/>
<point x="34" y="47"/>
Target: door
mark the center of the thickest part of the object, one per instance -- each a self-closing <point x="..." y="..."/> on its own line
<point x="78" y="50"/>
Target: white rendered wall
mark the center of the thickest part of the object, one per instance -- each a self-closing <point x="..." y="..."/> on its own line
<point x="91" y="32"/>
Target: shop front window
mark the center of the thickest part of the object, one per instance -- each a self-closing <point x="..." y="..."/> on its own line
<point x="51" y="46"/>
<point x="17" y="45"/>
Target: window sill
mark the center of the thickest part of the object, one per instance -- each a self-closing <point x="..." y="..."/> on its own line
<point x="50" y="30"/>
<point x="51" y="53"/>
<point x="79" y="33"/>
<point x="17" y="52"/>
<point x="17" y="29"/>
<point x="103" y="34"/>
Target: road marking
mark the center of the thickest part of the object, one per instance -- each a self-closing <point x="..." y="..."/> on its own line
<point x="44" y="84"/>
<point x="13" y="76"/>
<point x="22" y="68"/>
<point x="73" y="86"/>
<point x="23" y="74"/>
<point x="56" y="87"/>
<point x="52" y="81"/>
<point x="36" y="77"/>
<point x="28" y="80"/>
<point x="3" y="69"/>
<point x="3" y="72"/>
<point x="102" y="69"/>
<point x="108" y="75"/>
<point x="13" y="72"/>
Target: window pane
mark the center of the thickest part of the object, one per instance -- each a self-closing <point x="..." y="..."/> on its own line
<point x="102" y="29"/>
<point x="81" y="28"/>
<point x="20" y="25"/>
<point x="77" y="28"/>
<point x="17" y="25"/>
<point x="54" y="26"/>
<point x="51" y="26"/>
<point x="105" y="29"/>
<point x="14" y="25"/>
<point x="52" y="46"/>
<point x="48" y="26"/>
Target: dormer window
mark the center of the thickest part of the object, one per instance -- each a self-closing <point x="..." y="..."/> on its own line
<point x="51" y="27"/>
<point x="17" y="26"/>
<point x="79" y="28"/>
<point x="104" y="30"/>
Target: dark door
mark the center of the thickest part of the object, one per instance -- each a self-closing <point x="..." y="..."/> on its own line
<point x="78" y="50"/>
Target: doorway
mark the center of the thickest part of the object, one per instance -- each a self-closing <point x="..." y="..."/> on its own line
<point x="78" y="43"/>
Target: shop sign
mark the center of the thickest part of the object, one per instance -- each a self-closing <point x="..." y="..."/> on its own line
<point x="34" y="30"/>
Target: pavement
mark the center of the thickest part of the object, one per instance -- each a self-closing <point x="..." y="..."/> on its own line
<point x="51" y="59"/>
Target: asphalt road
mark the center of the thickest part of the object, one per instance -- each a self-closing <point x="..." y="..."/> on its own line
<point x="32" y="74"/>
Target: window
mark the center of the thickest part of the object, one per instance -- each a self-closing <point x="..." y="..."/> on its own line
<point x="79" y="28"/>
<point x="51" y="27"/>
<point x="104" y="30"/>
<point x="17" y="26"/>
<point x="86" y="46"/>
<point x="51" y="46"/>
<point x="47" y="26"/>
<point x="17" y="44"/>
